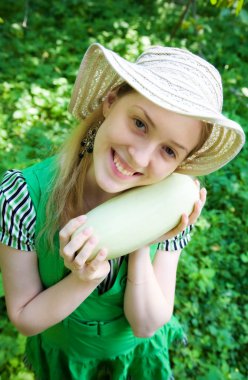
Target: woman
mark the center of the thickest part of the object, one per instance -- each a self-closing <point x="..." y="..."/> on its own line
<point x="140" y="122"/>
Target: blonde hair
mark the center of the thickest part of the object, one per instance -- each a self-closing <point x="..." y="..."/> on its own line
<point x="66" y="199"/>
<point x="205" y="134"/>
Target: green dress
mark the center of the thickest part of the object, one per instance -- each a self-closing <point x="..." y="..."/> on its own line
<point x="95" y="341"/>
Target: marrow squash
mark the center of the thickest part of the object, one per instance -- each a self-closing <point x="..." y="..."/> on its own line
<point x="141" y="215"/>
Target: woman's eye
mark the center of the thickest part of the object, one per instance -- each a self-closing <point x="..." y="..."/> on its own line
<point x="139" y="124"/>
<point x="169" y="151"/>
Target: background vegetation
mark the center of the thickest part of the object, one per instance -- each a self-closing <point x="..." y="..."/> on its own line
<point x="41" y="45"/>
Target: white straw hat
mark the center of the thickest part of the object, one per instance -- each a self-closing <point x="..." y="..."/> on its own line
<point x="172" y="78"/>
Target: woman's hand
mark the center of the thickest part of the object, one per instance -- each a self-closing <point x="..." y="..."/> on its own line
<point x="185" y="219"/>
<point x="76" y="250"/>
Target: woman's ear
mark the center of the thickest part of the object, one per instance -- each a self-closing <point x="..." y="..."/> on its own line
<point x="108" y="102"/>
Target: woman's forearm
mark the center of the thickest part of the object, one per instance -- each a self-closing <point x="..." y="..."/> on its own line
<point x="52" y="305"/>
<point x="149" y="296"/>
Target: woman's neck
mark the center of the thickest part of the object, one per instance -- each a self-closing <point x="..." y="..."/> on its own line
<point x="93" y="194"/>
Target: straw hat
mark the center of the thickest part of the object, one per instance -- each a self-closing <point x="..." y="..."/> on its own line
<point x="172" y="78"/>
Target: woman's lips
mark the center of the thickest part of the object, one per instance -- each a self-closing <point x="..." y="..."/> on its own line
<point x="121" y="168"/>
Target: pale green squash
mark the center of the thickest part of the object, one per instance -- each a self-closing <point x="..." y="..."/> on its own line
<point x="138" y="216"/>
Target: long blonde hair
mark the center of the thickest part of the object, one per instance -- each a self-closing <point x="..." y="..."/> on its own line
<point x="66" y="199"/>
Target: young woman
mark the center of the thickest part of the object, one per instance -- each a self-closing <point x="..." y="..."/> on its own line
<point x="139" y="122"/>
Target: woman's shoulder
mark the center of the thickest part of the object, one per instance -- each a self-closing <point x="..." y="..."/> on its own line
<point x="17" y="223"/>
<point x="34" y="180"/>
<point x="41" y="171"/>
<point x="13" y="185"/>
<point x="23" y="196"/>
<point x="39" y="178"/>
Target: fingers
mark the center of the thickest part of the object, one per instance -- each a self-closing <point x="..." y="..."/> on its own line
<point x="198" y="206"/>
<point x="78" y="250"/>
<point x="76" y="243"/>
<point x="68" y="245"/>
<point x="197" y="182"/>
<point x="99" y="267"/>
<point x="203" y="191"/>
<point x="94" y="270"/>
<point x="84" y="254"/>
<point x="203" y="195"/>
<point x="184" y="221"/>
<point x="100" y="257"/>
<point x="66" y="232"/>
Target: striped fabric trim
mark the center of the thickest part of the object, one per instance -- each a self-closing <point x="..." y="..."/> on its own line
<point x="17" y="222"/>
<point x="178" y="242"/>
<point x="108" y="282"/>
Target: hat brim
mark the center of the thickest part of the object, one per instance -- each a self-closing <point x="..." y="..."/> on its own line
<point x="101" y="70"/>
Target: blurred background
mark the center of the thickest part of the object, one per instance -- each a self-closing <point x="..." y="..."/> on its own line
<point x="41" y="46"/>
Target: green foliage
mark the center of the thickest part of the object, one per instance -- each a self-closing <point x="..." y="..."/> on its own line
<point x="11" y="350"/>
<point x="238" y="4"/>
<point x="1" y="287"/>
<point x="41" y="46"/>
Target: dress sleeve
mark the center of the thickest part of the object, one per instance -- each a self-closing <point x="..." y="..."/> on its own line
<point x="17" y="213"/>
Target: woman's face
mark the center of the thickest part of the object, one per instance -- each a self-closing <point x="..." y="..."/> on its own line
<point x="139" y="143"/>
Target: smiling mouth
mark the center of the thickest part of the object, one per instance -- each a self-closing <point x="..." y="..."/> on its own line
<point x="122" y="167"/>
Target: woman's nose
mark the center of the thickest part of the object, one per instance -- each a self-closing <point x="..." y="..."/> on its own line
<point x="141" y="155"/>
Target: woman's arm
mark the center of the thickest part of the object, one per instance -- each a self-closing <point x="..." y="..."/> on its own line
<point x="33" y="309"/>
<point x="150" y="290"/>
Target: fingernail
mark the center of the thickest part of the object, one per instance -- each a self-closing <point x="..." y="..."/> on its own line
<point x="82" y="218"/>
<point x="88" y="231"/>
<point x="93" y="240"/>
<point x="77" y="263"/>
<point x="103" y="252"/>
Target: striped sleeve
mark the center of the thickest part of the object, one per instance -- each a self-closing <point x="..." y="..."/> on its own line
<point x="17" y="213"/>
<point x="178" y="242"/>
<point x="108" y="282"/>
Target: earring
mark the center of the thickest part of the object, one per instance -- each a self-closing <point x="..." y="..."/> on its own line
<point x="87" y="143"/>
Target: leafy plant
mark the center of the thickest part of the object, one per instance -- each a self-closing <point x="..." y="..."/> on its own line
<point x="41" y="46"/>
<point x="238" y="4"/>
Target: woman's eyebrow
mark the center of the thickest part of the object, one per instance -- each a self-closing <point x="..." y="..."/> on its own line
<point x="179" y="146"/>
<point x="147" y="116"/>
<point x="154" y="126"/>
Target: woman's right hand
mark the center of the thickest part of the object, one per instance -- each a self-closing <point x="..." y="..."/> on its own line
<point x="76" y="250"/>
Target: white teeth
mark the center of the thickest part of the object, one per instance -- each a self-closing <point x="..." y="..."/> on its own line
<point x="121" y="169"/>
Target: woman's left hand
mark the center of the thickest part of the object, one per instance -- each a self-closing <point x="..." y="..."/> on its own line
<point x="185" y="219"/>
